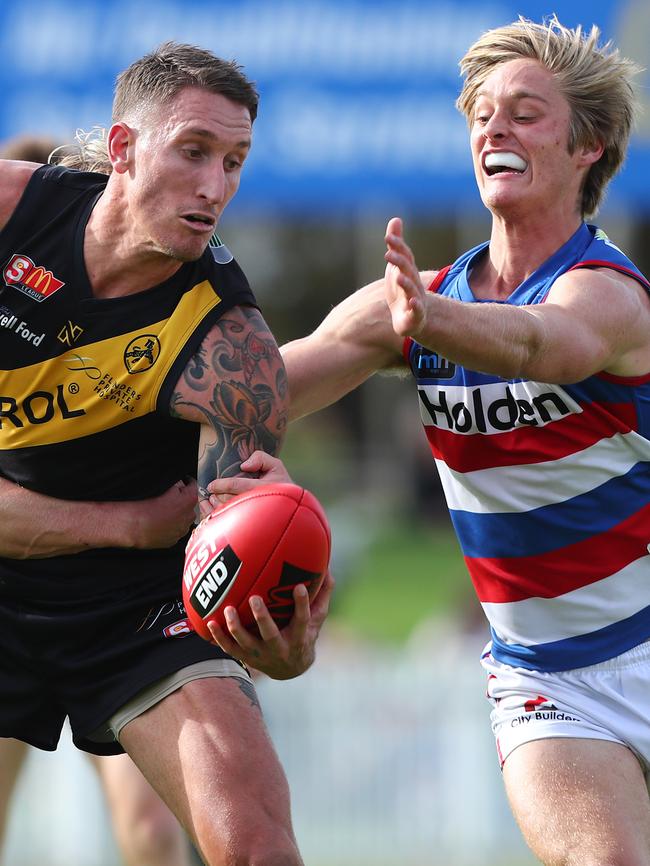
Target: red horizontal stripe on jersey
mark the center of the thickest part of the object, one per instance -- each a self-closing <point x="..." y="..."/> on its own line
<point x="525" y="445"/>
<point x="560" y="571"/>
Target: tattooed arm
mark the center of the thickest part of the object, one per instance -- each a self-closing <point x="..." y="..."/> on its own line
<point x="236" y="388"/>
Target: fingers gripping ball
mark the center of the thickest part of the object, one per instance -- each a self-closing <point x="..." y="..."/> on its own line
<point x="263" y="542"/>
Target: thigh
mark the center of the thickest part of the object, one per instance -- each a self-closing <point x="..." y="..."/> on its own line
<point x="206" y="750"/>
<point x="580" y="802"/>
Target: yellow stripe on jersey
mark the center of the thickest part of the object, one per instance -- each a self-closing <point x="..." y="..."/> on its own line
<point x="100" y="385"/>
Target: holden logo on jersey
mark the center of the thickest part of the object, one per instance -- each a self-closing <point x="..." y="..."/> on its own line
<point x="142" y="353"/>
<point x="31" y="279"/>
<point x="494" y="408"/>
<point x="211" y="584"/>
<point x="430" y="365"/>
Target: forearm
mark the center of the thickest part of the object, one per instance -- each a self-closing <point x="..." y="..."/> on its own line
<point x="489" y="338"/>
<point x="36" y="526"/>
<point x="316" y="380"/>
<point x="354" y="341"/>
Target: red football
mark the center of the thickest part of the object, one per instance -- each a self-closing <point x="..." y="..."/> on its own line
<point x="263" y="542"/>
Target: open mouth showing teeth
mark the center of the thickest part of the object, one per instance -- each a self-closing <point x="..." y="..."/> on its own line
<point x="497" y="163"/>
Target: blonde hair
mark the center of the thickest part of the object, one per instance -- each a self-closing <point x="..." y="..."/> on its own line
<point x="595" y="80"/>
<point x="89" y="152"/>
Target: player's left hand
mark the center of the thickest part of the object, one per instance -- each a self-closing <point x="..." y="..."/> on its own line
<point x="405" y="292"/>
<point x="284" y="654"/>
<point x="259" y="468"/>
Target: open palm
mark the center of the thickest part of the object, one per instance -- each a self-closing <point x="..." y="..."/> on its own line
<point x="405" y="294"/>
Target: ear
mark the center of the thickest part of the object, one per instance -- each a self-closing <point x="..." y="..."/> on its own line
<point x="120" y="143"/>
<point x="591" y="153"/>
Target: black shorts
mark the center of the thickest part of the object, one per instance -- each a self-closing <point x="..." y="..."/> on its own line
<point x="84" y="659"/>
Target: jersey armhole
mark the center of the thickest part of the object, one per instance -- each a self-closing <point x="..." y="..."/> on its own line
<point x="433" y="286"/>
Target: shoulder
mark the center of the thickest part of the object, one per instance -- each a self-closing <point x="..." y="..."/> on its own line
<point x="608" y="285"/>
<point x="614" y="308"/>
<point x="14" y="177"/>
<point x="17" y="176"/>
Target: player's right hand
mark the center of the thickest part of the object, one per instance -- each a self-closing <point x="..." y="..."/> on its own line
<point x="162" y="520"/>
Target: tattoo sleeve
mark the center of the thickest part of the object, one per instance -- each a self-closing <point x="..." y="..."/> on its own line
<point x="235" y="386"/>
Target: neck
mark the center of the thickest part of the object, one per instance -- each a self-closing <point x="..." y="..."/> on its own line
<point x="117" y="263"/>
<point x="517" y="249"/>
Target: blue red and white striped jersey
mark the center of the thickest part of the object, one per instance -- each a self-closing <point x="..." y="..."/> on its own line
<point x="548" y="486"/>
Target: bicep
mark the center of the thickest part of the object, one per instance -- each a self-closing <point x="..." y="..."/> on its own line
<point x="235" y="387"/>
<point x="593" y="321"/>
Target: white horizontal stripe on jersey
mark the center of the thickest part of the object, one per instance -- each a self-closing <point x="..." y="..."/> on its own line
<point x="515" y="489"/>
<point x="535" y="621"/>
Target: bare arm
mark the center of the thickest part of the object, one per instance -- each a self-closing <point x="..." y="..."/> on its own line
<point x="14" y="176"/>
<point x="35" y="526"/>
<point x="592" y="321"/>
<point x="355" y="340"/>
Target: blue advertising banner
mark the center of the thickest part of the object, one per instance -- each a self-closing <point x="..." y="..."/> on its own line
<point x="357" y="100"/>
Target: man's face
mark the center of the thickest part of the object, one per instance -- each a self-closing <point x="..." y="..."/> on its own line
<point x="519" y="141"/>
<point x="186" y="165"/>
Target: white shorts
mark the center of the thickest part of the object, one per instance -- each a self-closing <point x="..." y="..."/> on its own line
<point x="606" y="701"/>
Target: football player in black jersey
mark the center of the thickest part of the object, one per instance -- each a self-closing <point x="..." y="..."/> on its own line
<point x="93" y="268"/>
<point x="145" y="830"/>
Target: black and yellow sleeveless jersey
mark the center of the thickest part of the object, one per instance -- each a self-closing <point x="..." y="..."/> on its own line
<point x="85" y="383"/>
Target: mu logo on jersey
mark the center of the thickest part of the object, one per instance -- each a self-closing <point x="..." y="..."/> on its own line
<point x="30" y="279"/>
<point x="431" y="365"/>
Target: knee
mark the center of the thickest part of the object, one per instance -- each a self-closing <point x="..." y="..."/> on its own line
<point x="274" y="849"/>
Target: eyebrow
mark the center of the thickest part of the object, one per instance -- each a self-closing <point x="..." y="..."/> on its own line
<point x="206" y="133"/>
<point x="517" y="94"/>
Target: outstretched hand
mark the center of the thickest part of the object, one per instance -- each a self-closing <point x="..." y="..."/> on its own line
<point x="405" y="293"/>
<point x="280" y="654"/>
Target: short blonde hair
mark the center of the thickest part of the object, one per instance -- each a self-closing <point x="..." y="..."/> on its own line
<point x="594" y="78"/>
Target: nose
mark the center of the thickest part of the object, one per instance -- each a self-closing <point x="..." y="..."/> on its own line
<point x="496" y="126"/>
<point x="212" y="187"/>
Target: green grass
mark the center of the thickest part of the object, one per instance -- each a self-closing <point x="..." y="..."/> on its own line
<point x="407" y="575"/>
